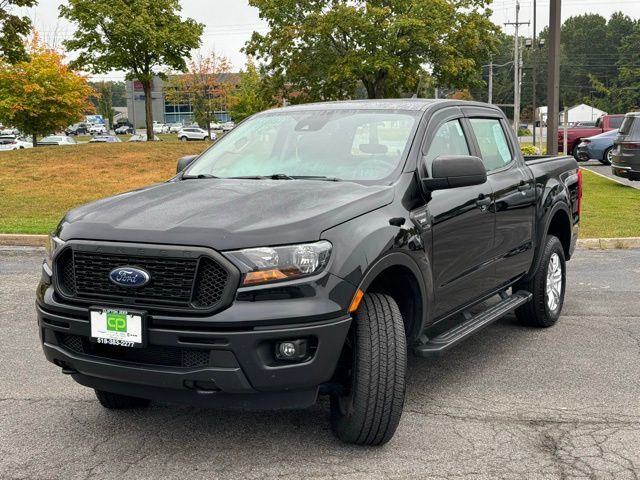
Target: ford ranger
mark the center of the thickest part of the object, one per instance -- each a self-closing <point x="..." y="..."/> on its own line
<point x="307" y="253"/>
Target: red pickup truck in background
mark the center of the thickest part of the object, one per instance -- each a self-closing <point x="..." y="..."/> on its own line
<point x="574" y="134"/>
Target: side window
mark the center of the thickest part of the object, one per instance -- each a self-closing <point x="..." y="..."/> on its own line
<point x="493" y="143"/>
<point x="448" y="140"/>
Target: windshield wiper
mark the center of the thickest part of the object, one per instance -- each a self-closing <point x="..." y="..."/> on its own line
<point x="284" y="176"/>
<point x="196" y="177"/>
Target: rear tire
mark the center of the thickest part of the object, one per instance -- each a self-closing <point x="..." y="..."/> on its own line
<point x="114" y="401"/>
<point x="369" y="411"/>
<point x="547" y="286"/>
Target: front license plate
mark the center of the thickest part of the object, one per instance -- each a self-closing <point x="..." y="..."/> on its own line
<point x="117" y="327"/>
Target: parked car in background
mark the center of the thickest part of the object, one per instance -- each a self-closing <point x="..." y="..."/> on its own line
<point x="625" y="160"/>
<point x="576" y="134"/>
<point x="195" y="133"/>
<point x="585" y="124"/>
<point x="125" y="130"/>
<point x="9" y="131"/>
<point x="175" y="127"/>
<point x="56" y="140"/>
<point x="160" y="127"/>
<point x="215" y="126"/>
<point x="97" y="129"/>
<point x="123" y="127"/>
<point x="228" y="126"/>
<point x="105" y="139"/>
<point x="11" y="142"/>
<point x="143" y="138"/>
<point x="598" y="147"/>
<point x="77" y="129"/>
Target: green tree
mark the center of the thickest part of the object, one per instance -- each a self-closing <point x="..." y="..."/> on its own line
<point x="627" y="91"/>
<point x="141" y="37"/>
<point x="325" y="48"/>
<point x="42" y="95"/>
<point x="205" y="86"/>
<point x="119" y="94"/>
<point x="105" y="102"/>
<point x="250" y="97"/>
<point x="13" y="28"/>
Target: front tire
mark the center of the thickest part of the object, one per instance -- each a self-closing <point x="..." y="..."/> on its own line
<point x="547" y="286"/>
<point x="114" y="401"/>
<point x="183" y="139"/>
<point x="368" y="411"/>
<point x="607" y="156"/>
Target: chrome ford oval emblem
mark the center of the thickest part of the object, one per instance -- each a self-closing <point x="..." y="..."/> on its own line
<point x="129" y="277"/>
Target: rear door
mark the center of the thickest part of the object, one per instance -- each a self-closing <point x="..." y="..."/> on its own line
<point x="461" y="220"/>
<point x="514" y="193"/>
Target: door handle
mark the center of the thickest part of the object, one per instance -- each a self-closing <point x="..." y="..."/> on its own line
<point x="523" y="187"/>
<point x="483" y="202"/>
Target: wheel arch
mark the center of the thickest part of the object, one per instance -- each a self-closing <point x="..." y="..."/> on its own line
<point x="558" y="223"/>
<point x="397" y="275"/>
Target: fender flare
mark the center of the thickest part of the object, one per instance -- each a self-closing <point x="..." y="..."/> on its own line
<point x="558" y="207"/>
<point x="395" y="259"/>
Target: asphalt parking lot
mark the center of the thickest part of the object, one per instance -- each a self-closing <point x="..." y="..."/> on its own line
<point x="512" y="402"/>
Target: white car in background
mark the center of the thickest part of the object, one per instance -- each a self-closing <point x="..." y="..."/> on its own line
<point x="160" y="127"/>
<point x="97" y="129"/>
<point x="228" y="126"/>
<point x="195" y="133"/>
<point x="175" y="127"/>
<point x="60" y="140"/>
<point x="10" y="142"/>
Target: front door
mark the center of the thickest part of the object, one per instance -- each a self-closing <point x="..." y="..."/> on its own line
<point x="462" y="224"/>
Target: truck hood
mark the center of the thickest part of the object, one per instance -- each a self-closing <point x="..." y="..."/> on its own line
<point x="224" y="214"/>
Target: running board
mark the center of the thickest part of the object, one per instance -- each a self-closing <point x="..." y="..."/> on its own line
<point x="438" y="345"/>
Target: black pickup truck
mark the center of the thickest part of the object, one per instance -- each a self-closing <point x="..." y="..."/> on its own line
<point x="306" y="253"/>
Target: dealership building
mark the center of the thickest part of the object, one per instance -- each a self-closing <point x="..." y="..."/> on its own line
<point x="165" y="111"/>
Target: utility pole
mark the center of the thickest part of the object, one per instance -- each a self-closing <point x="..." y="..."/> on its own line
<point x="491" y="81"/>
<point x="533" y="74"/>
<point x="516" y="69"/>
<point x="553" y="82"/>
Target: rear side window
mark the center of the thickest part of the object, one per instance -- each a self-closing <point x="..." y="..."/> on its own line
<point x="626" y="126"/>
<point x="615" y="122"/>
<point x="448" y="140"/>
<point x="493" y="143"/>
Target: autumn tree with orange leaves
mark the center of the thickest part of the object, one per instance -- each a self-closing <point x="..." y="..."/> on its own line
<point x="42" y="95"/>
<point x="205" y="86"/>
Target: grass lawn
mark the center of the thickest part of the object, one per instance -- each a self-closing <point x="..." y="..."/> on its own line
<point x="37" y="186"/>
<point x="609" y="209"/>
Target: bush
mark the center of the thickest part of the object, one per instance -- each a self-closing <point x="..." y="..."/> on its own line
<point x="528" y="149"/>
<point x="524" y="132"/>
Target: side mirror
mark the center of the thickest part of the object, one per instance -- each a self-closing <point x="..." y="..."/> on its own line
<point x="452" y="171"/>
<point x="184" y="162"/>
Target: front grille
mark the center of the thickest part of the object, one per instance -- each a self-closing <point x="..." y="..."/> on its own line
<point x="200" y="283"/>
<point x="151" y="354"/>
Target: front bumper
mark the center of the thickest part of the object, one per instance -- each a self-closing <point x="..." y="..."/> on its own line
<point x="239" y="368"/>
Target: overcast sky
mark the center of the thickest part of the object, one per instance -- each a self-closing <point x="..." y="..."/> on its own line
<point x="229" y="23"/>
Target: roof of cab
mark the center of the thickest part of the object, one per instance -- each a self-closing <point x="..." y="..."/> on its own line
<point x="406" y="104"/>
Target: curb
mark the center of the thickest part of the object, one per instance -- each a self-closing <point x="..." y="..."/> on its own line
<point x="18" y="240"/>
<point x="608" y="243"/>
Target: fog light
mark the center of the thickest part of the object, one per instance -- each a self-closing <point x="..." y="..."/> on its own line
<point x="292" y="350"/>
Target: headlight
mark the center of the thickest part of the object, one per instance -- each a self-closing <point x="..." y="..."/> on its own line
<point x="272" y="264"/>
<point x="53" y="245"/>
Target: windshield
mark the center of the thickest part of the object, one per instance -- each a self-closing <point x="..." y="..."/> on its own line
<point x="358" y="145"/>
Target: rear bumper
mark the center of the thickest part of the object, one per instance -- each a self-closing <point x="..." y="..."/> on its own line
<point x="236" y="368"/>
<point x="624" y="171"/>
